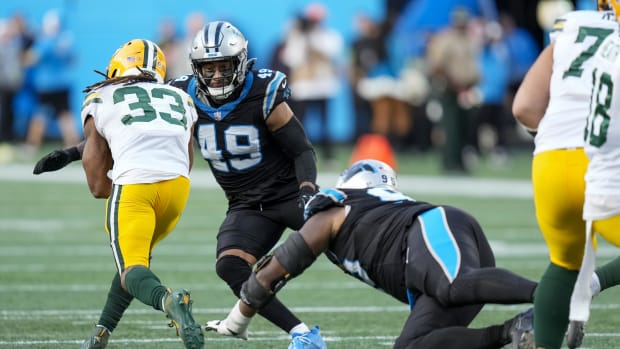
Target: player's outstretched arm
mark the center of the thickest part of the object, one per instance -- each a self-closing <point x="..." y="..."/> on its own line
<point x="58" y="159"/>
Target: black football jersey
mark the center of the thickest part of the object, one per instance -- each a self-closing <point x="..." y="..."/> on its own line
<point x="244" y="157"/>
<point x="371" y="243"/>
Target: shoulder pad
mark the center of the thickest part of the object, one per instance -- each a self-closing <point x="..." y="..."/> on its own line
<point x="180" y="82"/>
<point x="274" y="85"/>
<point x="324" y="200"/>
<point x="572" y="21"/>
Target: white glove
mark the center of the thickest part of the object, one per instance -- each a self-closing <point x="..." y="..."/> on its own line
<point x="235" y="324"/>
<point x="220" y="326"/>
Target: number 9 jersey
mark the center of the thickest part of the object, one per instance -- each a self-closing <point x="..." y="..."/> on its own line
<point x="148" y="128"/>
<point x="576" y="37"/>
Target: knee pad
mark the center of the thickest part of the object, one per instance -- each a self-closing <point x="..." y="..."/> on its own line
<point x="234" y="271"/>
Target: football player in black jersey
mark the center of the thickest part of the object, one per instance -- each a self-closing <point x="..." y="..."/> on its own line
<point x="258" y="152"/>
<point x="435" y="258"/>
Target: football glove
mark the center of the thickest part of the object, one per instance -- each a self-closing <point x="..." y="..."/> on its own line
<point x="56" y="160"/>
<point x="305" y="194"/>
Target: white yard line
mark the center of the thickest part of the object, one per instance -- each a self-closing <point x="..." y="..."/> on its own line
<point x="202" y="178"/>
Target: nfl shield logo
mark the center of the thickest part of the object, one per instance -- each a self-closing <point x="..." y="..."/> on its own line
<point x="217" y="115"/>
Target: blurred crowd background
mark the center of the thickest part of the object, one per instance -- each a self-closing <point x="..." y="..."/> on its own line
<point x="425" y="74"/>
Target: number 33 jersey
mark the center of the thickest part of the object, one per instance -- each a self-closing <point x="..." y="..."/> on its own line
<point x="602" y="134"/>
<point x="148" y="128"/>
<point x="576" y="37"/>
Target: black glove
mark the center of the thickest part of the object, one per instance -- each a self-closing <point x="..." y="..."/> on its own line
<point x="305" y="193"/>
<point x="56" y="160"/>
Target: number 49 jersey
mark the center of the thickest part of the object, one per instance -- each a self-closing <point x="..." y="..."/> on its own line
<point x="576" y="37"/>
<point x="148" y="128"/>
<point x="602" y="134"/>
<point x="244" y="157"/>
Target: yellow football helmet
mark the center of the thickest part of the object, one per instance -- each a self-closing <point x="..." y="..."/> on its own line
<point x="609" y="5"/>
<point x="135" y="56"/>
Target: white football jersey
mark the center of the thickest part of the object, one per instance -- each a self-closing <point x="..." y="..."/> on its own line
<point x="577" y="35"/>
<point x="602" y="134"/>
<point x="148" y="128"/>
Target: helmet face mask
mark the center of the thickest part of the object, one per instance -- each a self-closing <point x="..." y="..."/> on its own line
<point x="136" y="57"/>
<point x="218" y="74"/>
<point x="368" y="173"/>
<point x="219" y="59"/>
<point x="609" y="5"/>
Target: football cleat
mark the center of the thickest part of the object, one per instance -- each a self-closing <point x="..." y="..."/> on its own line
<point x="98" y="340"/>
<point x="220" y="327"/>
<point x="178" y="308"/>
<point x="309" y="340"/>
<point x="574" y="335"/>
<point x="521" y="330"/>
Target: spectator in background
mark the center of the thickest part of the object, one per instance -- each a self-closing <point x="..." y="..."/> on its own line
<point x="367" y="50"/>
<point x="492" y="122"/>
<point x="311" y="51"/>
<point x="52" y="58"/>
<point x="24" y="34"/>
<point x="177" y="51"/>
<point x="167" y="41"/>
<point x="390" y="85"/>
<point x="452" y="61"/>
<point x="522" y="51"/>
<point x="11" y="77"/>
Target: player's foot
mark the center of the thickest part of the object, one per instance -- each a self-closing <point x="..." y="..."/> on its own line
<point x="574" y="335"/>
<point x="309" y="340"/>
<point x="521" y="330"/>
<point x="178" y="308"/>
<point x="221" y="327"/>
<point x="98" y="340"/>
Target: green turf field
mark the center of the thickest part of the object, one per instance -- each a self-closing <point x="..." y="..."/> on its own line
<point x="56" y="265"/>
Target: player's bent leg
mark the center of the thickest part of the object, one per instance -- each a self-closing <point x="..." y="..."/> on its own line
<point x="117" y="302"/>
<point x="431" y="325"/>
<point x="234" y="270"/>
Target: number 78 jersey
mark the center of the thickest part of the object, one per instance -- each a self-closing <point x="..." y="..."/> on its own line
<point x="576" y="36"/>
<point x="148" y="129"/>
<point x="602" y="134"/>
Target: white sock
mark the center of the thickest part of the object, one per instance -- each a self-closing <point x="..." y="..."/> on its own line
<point x="236" y="321"/>
<point x="301" y="328"/>
<point x="595" y="285"/>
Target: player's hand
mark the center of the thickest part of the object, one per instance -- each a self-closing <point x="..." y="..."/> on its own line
<point x="55" y="160"/>
<point x="305" y="194"/>
<point x="220" y="327"/>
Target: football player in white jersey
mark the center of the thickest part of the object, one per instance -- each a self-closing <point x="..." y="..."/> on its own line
<point x="553" y="102"/>
<point x="601" y="210"/>
<point x="138" y="154"/>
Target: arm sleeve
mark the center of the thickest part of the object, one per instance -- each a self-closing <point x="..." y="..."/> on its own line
<point x="293" y="140"/>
